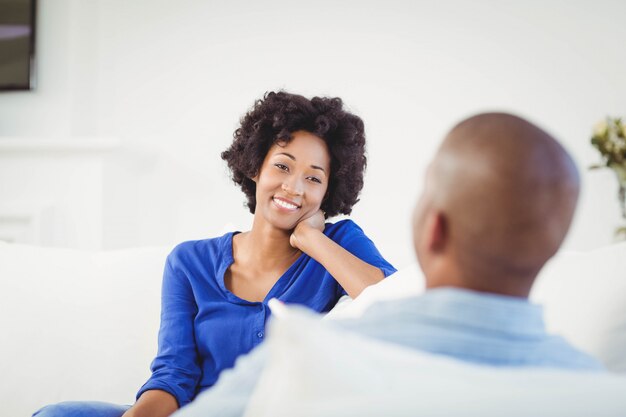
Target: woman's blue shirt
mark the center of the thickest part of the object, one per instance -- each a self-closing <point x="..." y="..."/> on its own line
<point x="205" y="327"/>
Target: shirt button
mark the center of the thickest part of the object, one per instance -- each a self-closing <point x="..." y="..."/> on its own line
<point x="259" y="335"/>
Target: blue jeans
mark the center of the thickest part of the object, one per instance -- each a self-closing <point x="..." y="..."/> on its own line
<point x="82" y="409"/>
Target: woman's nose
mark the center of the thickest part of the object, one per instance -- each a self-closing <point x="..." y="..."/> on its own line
<point x="292" y="187"/>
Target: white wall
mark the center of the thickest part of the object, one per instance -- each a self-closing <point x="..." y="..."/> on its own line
<point x="171" y="79"/>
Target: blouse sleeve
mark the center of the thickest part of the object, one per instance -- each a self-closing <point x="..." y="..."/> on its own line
<point x="176" y="368"/>
<point x="357" y="243"/>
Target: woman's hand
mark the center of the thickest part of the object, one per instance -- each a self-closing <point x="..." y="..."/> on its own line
<point x="153" y="403"/>
<point x="315" y="222"/>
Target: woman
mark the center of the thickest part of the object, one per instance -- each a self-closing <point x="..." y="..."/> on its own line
<point x="298" y="161"/>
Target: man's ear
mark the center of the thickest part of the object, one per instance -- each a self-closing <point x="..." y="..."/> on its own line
<point x="436" y="231"/>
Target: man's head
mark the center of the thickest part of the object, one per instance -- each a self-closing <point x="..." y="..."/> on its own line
<point x="498" y="199"/>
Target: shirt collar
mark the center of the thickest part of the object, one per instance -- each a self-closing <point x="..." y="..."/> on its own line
<point x="486" y="311"/>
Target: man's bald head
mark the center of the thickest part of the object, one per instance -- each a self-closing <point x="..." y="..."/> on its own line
<point x="500" y="196"/>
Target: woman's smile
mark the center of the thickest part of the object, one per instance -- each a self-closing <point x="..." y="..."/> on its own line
<point x="284" y="204"/>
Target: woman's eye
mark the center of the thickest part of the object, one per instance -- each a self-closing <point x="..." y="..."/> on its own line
<point x="281" y="167"/>
<point x="314" y="179"/>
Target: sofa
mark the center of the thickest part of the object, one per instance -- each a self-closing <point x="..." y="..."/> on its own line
<point x="80" y="325"/>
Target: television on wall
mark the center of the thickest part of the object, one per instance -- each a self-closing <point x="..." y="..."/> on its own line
<point x="17" y="44"/>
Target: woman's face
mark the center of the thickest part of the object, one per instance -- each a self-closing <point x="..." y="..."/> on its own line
<point x="293" y="180"/>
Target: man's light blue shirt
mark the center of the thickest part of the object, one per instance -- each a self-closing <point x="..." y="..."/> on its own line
<point x="472" y="326"/>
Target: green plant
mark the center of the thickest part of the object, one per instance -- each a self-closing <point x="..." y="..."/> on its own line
<point x="609" y="138"/>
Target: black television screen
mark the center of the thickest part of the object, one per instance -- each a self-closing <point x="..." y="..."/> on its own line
<point x="17" y="44"/>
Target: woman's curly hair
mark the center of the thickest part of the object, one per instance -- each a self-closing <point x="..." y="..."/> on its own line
<point x="275" y="117"/>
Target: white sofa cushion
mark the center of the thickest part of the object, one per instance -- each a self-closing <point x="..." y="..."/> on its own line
<point x="406" y="282"/>
<point x="317" y="370"/>
<point x="76" y="325"/>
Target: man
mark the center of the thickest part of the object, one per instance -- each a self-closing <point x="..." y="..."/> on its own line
<point x="498" y="199"/>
